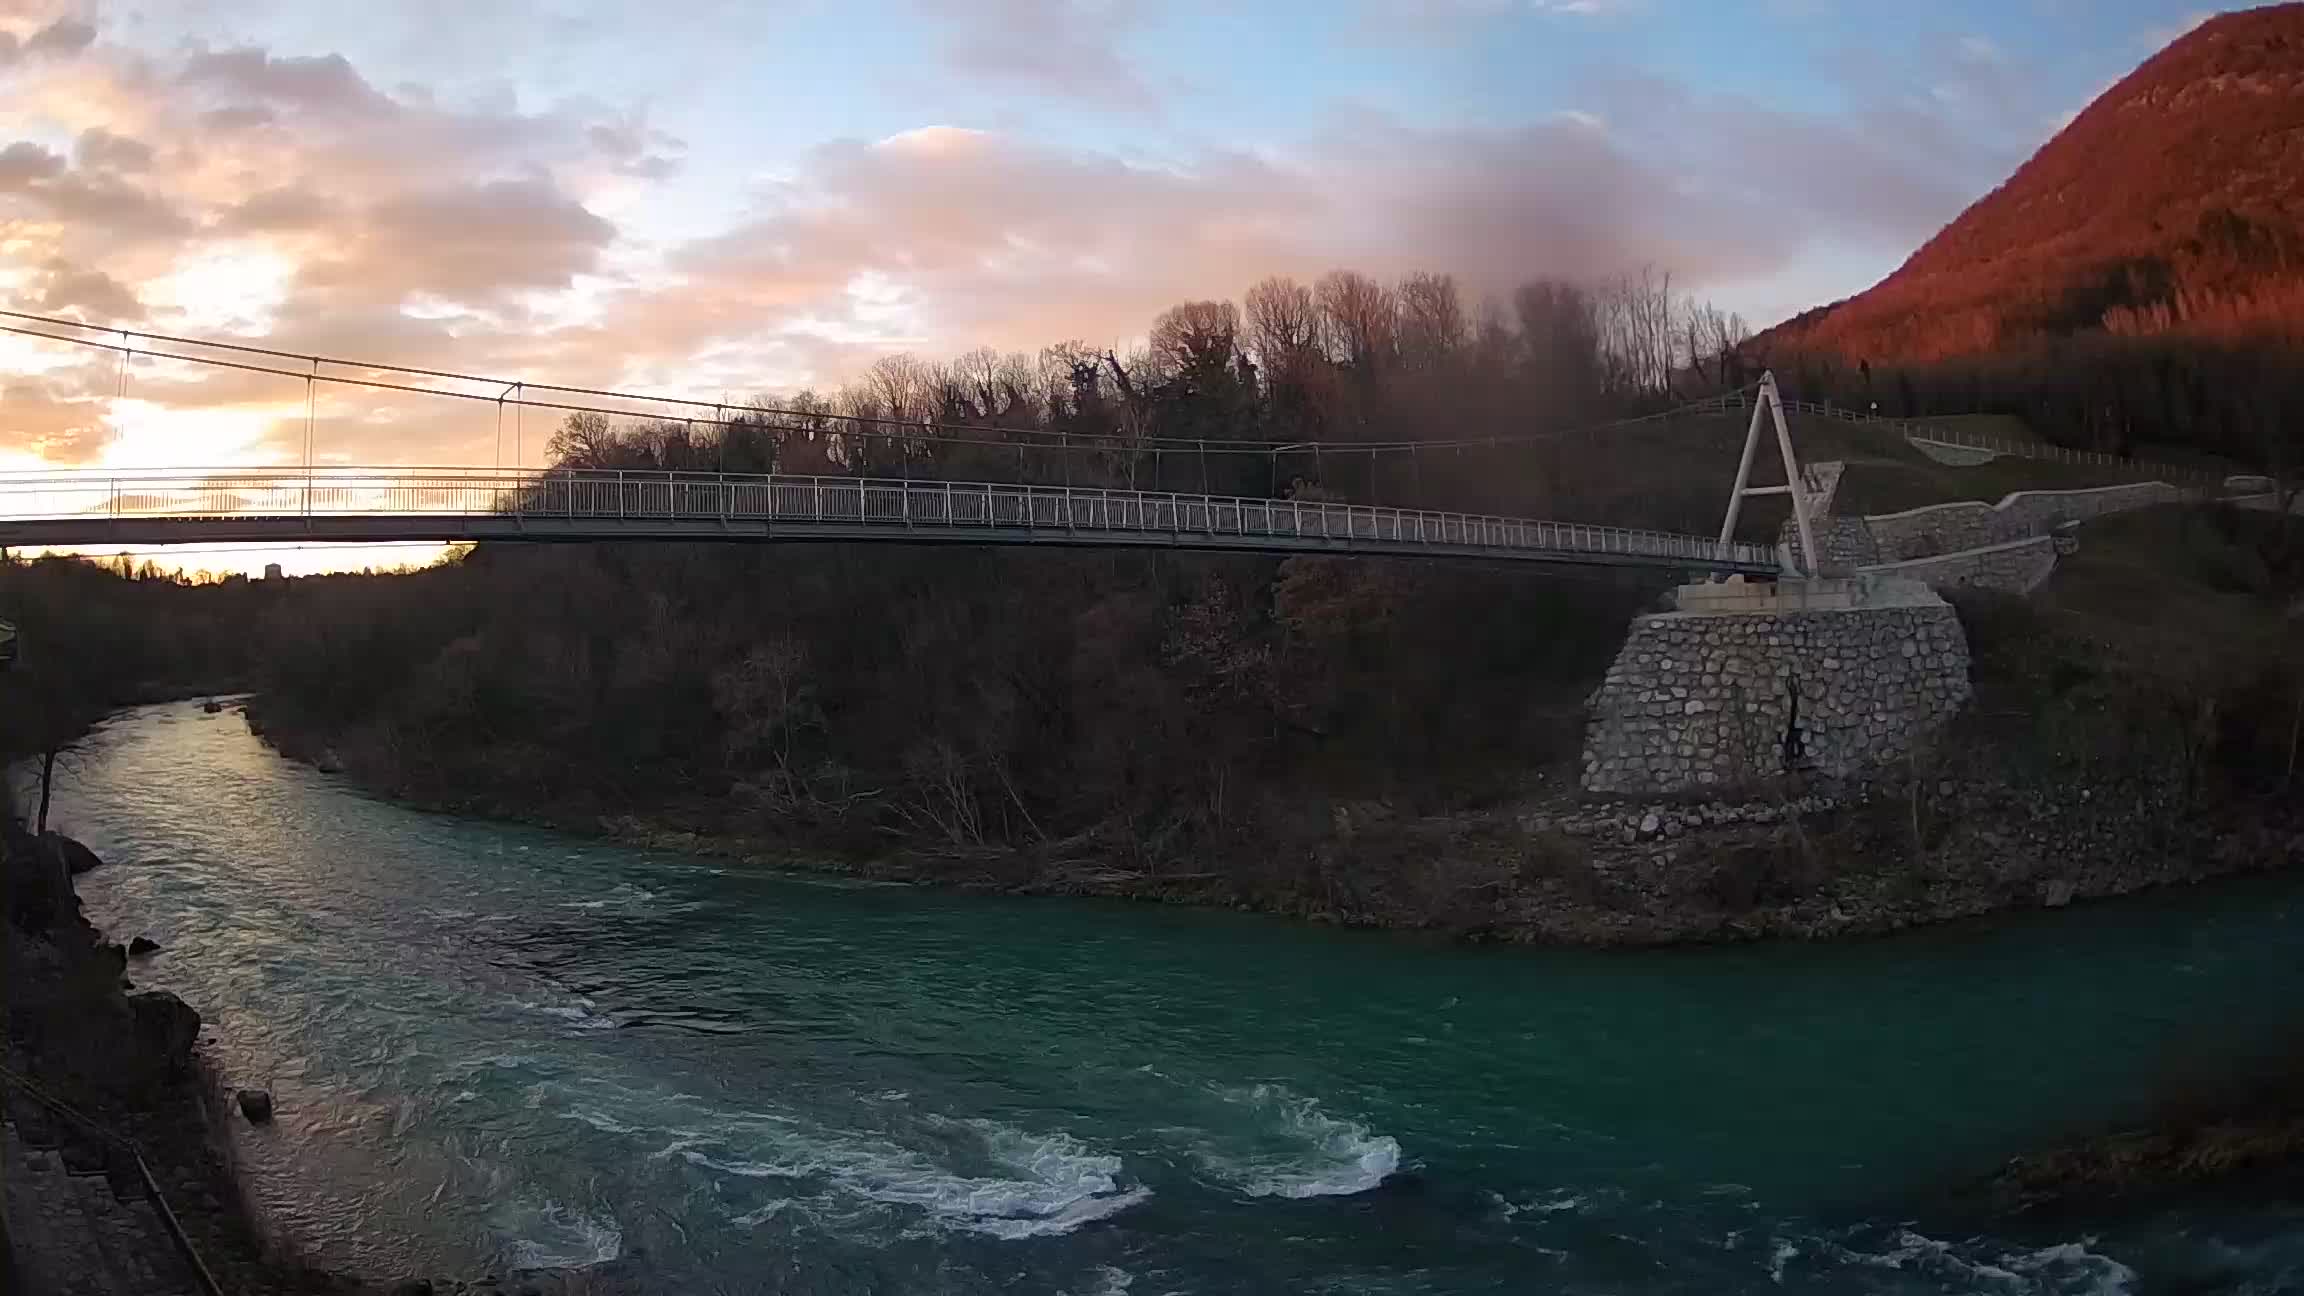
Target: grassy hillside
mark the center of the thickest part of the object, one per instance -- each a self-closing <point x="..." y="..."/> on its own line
<point x="1678" y="472"/>
<point x="2176" y="631"/>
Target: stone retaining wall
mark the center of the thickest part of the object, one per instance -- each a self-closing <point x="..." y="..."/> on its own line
<point x="2017" y="567"/>
<point x="1846" y="541"/>
<point x="1943" y="530"/>
<point x="1947" y="528"/>
<point x="1952" y="455"/>
<point x="1705" y="702"/>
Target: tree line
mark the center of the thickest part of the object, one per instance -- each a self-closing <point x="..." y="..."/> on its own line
<point x="1226" y="397"/>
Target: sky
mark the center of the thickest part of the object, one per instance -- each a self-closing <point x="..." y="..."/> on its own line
<point x="721" y="198"/>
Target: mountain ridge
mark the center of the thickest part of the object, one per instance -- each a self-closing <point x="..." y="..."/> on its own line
<point x="2173" y="203"/>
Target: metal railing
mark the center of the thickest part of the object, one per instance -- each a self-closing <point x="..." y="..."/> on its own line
<point x="494" y="503"/>
<point x="127" y="1148"/>
<point x="1961" y="438"/>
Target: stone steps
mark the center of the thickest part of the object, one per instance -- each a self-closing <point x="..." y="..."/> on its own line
<point x="75" y="1231"/>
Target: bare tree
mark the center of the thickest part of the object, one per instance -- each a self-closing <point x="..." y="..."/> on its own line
<point x="1637" y="342"/>
<point x="584" y="440"/>
<point x="979" y="376"/>
<point x="904" y="386"/>
<point x="1433" y="325"/>
<point x="1199" y="338"/>
<point x="1359" y="321"/>
<point x="763" y="701"/>
<point x="1560" y="340"/>
<point x="1283" y="324"/>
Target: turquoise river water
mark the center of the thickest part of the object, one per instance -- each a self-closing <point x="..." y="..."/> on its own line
<point x="492" y="1045"/>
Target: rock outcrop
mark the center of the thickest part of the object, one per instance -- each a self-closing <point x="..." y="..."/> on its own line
<point x="256" y="1105"/>
<point x="78" y="859"/>
<point x="166" y="1029"/>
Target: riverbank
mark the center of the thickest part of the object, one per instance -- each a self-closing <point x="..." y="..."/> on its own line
<point x="1930" y="841"/>
<point x="135" y="1062"/>
<point x="1368" y="744"/>
<point x="2232" y="1129"/>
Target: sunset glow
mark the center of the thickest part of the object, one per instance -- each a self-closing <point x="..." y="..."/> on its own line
<point x="360" y="188"/>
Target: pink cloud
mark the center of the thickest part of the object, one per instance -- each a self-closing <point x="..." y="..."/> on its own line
<point x="1067" y="48"/>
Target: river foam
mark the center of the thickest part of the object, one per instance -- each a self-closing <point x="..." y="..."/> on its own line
<point x="1021" y="1185"/>
<point x="2065" y="1269"/>
<point x="1298" y="1149"/>
<point x="548" y="1234"/>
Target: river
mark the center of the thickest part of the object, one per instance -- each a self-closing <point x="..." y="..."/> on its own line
<point x="492" y="1045"/>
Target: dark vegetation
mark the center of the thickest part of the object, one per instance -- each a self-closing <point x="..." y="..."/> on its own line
<point x="1309" y="735"/>
<point x="1137" y="710"/>
<point x="2210" y="1125"/>
<point x="2172" y="641"/>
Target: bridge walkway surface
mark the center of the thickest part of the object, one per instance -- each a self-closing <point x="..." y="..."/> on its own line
<point x="392" y="504"/>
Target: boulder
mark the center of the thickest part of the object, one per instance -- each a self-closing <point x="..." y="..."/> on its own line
<point x="166" y="1028"/>
<point x="143" y="945"/>
<point x="39" y="884"/>
<point x="78" y="859"/>
<point x="256" y="1105"/>
<point x="2057" y="894"/>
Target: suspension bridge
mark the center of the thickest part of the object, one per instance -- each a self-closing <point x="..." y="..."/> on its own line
<point x="351" y="504"/>
<point x="372" y="505"/>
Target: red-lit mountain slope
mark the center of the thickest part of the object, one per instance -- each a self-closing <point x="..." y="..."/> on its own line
<point x="2174" y="203"/>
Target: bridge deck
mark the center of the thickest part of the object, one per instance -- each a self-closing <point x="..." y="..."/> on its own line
<point x="372" y="505"/>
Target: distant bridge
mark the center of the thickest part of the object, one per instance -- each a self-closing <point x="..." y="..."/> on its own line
<point x="312" y="503"/>
<point x="374" y="505"/>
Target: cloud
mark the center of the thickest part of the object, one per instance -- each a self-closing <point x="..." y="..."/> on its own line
<point x="1457" y="19"/>
<point x="63" y="289"/>
<point x="470" y="244"/>
<point x="242" y="191"/>
<point x="63" y="37"/>
<point x="103" y="150"/>
<point x="25" y="162"/>
<point x="967" y="236"/>
<point x="91" y="203"/>
<point x="326" y="84"/>
<point x="1064" y="48"/>
<point x="281" y="210"/>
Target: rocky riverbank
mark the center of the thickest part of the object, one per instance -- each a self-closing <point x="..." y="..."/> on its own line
<point x="2241" y="1128"/>
<point x="132" y="1060"/>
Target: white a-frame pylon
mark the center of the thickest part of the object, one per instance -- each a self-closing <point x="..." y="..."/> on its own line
<point x="1766" y="404"/>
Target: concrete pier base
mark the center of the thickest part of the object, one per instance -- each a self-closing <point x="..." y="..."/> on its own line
<point x="1746" y="681"/>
